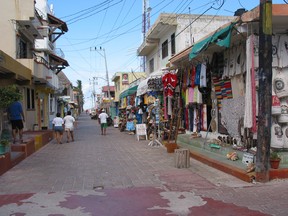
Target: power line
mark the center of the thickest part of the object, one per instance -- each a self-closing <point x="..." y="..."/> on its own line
<point x="120" y="12"/>
<point x="87" y="16"/>
<point x="211" y="7"/>
<point x="88" y="9"/>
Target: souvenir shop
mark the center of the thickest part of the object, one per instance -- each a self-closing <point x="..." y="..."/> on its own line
<point x="127" y="110"/>
<point x="218" y="86"/>
<point x="149" y="91"/>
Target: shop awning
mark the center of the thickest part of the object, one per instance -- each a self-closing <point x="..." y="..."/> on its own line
<point x="142" y="87"/>
<point x="221" y="37"/>
<point x="128" y="92"/>
<point x="54" y="21"/>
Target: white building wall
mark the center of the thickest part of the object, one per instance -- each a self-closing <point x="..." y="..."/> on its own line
<point x="198" y="29"/>
<point x="185" y="36"/>
<point x="11" y="11"/>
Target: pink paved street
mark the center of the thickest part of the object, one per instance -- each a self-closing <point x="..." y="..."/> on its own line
<point x="117" y="175"/>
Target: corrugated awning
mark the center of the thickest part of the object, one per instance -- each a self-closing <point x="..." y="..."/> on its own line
<point x="128" y="92"/>
<point x="221" y="37"/>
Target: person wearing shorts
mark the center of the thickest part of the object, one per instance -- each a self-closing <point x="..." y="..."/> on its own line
<point x="58" y="127"/>
<point x="102" y="118"/>
<point x="16" y="117"/>
<point x="69" y="122"/>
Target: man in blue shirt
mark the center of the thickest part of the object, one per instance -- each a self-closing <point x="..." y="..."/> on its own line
<point x="16" y="117"/>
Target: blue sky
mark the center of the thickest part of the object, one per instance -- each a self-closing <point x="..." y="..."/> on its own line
<point x="116" y="26"/>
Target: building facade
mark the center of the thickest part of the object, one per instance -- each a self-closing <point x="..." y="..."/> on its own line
<point x="29" y="58"/>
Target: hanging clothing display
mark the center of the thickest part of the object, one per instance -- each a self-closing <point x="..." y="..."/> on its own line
<point x="169" y="106"/>
<point x="283" y="51"/>
<point x="193" y="76"/>
<point x="277" y="138"/>
<point x="280" y="83"/>
<point x="237" y="83"/>
<point x="204" y="117"/>
<point x="250" y="94"/>
<point x="275" y="50"/>
<point x="198" y="74"/>
<point x="169" y="81"/>
<point x="223" y="89"/>
<point x="203" y="80"/>
<point x="190" y="94"/>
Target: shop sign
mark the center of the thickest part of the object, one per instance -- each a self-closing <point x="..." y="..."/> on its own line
<point x="125" y="80"/>
<point x="141" y="130"/>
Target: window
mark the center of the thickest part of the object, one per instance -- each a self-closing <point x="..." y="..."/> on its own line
<point x="151" y="65"/>
<point x="165" y="49"/>
<point x="52" y="104"/>
<point x="30" y="98"/>
<point x="173" y="51"/>
<point x="22" y="51"/>
<point x="24" y="47"/>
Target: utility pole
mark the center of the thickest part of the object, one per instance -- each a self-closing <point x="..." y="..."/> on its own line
<point x="264" y="92"/>
<point x="190" y="26"/>
<point x="145" y="26"/>
<point x="107" y="75"/>
<point x="93" y="94"/>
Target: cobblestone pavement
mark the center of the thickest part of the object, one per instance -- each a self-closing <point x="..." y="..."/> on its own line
<point x="118" y="175"/>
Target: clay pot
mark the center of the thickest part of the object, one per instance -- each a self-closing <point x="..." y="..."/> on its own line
<point x="171" y="147"/>
<point x="274" y="163"/>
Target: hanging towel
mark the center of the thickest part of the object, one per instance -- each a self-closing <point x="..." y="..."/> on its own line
<point x="190" y="95"/>
<point x="197" y="77"/>
<point x="187" y="96"/>
<point x="248" y="113"/>
<point x="253" y="91"/>
<point x="169" y="111"/>
<point x="203" y="79"/>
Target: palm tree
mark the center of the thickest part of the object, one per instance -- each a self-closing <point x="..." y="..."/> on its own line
<point x="80" y="96"/>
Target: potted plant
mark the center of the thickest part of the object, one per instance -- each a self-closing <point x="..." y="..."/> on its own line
<point x="4" y="144"/>
<point x="274" y="160"/>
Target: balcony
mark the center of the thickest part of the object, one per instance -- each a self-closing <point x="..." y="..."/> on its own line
<point x="44" y="45"/>
<point x="13" y="69"/>
<point x="40" y="71"/>
<point x="147" y="47"/>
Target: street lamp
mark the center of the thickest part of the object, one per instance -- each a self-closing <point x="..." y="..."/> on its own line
<point x="107" y="76"/>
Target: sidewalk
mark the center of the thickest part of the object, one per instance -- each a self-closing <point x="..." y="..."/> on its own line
<point x="118" y="175"/>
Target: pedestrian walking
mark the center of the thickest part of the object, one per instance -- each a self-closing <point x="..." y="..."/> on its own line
<point x="58" y="127"/>
<point x="102" y="118"/>
<point x="69" y="122"/>
<point x="16" y="117"/>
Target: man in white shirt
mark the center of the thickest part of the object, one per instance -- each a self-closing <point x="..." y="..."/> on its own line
<point x="102" y="118"/>
<point x="69" y="122"/>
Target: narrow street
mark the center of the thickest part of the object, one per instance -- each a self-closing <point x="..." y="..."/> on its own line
<point x="115" y="174"/>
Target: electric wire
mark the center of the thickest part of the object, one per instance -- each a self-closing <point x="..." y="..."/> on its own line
<point x="120" y="12"/>
<point x="103" y="19"/>
<point x="127" y="23"/>
<point x="87" y="16"/>
<point x="211" y="7"/>
<point x="88" y="9"/>
<point x="136" y="58"/>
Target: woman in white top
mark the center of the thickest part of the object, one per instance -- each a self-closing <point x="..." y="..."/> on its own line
<point x="69" y="126"/>
<point x="58" y="127"/>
